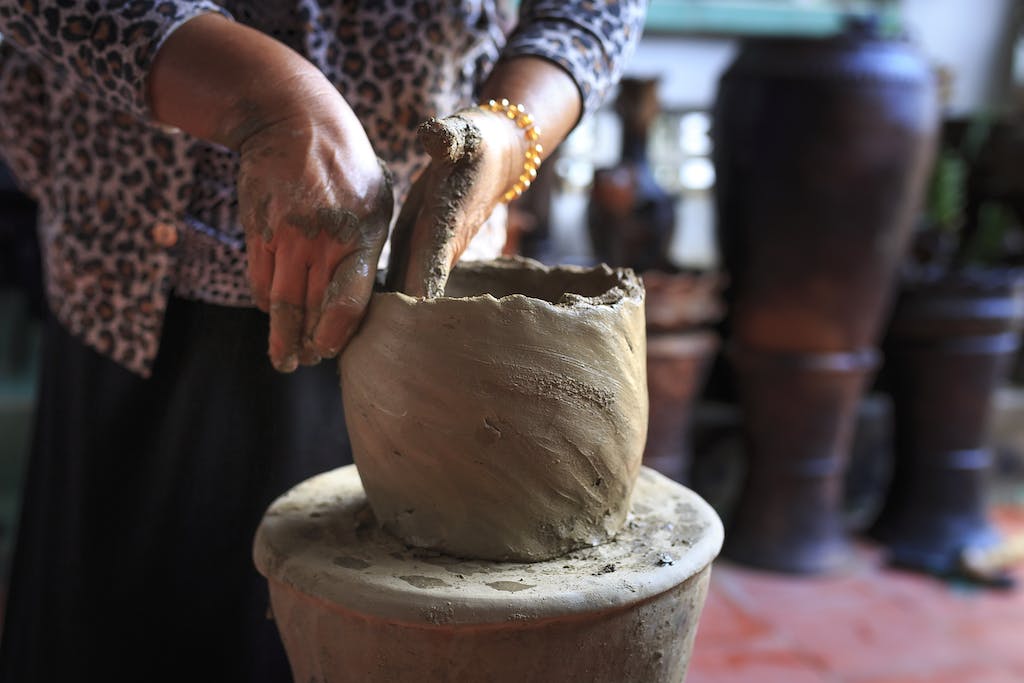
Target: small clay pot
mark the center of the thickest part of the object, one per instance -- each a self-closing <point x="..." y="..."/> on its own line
<point x="505" y="420"/>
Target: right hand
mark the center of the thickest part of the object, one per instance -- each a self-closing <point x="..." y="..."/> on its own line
<point x="316" y="204"/>
<point x="313" y="197"/>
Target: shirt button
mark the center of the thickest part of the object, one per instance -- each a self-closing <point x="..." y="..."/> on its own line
<point x="165" y="234"/>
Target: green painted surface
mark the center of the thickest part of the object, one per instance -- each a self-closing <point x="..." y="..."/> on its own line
<point x="759" y="17"/>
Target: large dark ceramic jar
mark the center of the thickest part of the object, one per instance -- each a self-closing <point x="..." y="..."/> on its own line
<point x="949" y="348"/>
<point x="822" y="148"/>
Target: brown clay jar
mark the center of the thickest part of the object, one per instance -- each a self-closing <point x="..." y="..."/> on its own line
<point x="505" y="420"/>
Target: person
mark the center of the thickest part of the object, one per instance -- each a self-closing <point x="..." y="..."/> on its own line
<point x="216" y="184"/>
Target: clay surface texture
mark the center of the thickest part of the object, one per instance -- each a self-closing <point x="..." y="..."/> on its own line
<point x="505" y="420"/>
<point x="353" y="603"/>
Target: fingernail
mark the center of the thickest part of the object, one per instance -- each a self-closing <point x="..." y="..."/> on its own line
<point x="309" y="357"/>
<point x="288" y="364"/>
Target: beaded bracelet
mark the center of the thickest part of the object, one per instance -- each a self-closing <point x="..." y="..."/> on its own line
<point x="517" y="113"/>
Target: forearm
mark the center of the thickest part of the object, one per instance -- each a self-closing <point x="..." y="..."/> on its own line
<point x="221" y="81"/>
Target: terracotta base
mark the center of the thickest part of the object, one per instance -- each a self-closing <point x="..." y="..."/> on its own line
<point x="353" y="603"/>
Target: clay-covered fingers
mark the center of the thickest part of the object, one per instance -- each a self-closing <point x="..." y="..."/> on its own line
<point x="340" y="310"/>
<point x="261" y="272"/>
<point x="343" y="273"/>
<point x="449" y="211"/>
<point x="433" y="247"/>
<point x="315" y="308"/>
<point x="287" y="307"/>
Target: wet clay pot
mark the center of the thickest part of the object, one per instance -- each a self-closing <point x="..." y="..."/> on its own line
<point x="822" y="151"/>
<point x="505" y="420"/>
<point x="950" y="347"/>
<point x="353" y="604"/>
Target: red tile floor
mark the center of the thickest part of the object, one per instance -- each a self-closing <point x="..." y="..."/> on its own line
<point x="867" y="624"/>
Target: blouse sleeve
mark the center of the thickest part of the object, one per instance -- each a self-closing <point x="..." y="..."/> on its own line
<point x="103" y="46"/>
<point x="590" y="39"/>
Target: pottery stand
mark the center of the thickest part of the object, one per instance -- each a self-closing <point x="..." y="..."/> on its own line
<point x="354" y="604"/>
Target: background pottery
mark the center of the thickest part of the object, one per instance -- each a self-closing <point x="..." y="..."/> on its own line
<point x="630" y="217"/>
<point x="822" y="149"/>
<point x="682" y="309"/>
<point x="950" y="347"/>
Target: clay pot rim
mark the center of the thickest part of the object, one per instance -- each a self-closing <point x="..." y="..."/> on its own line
<point x="625" y="286"/>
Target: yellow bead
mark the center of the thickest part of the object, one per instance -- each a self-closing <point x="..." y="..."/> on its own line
<point x="532" y="158"/>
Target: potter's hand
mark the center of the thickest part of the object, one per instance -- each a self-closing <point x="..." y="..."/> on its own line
<point x="477" y="156"/>
<point x="473" y="153"/>
<point x="315" y="203"/>
<point x="312" y="196"/>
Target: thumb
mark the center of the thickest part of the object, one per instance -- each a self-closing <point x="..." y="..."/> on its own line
<point x="438" y="234"/>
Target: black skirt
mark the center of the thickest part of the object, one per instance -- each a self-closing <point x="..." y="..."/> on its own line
<point x="133" y="558"/>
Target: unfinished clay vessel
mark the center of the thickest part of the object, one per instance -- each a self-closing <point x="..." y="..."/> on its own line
<point x="505" y="420"/>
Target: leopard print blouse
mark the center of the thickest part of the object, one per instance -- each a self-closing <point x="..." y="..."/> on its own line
<point x="131" y="212"/>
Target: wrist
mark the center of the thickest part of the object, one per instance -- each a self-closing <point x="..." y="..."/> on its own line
<point x="294" y="97"/>
<point x="525" y="135"/>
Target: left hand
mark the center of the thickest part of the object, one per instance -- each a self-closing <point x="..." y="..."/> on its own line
<point x="476" y="155"/>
